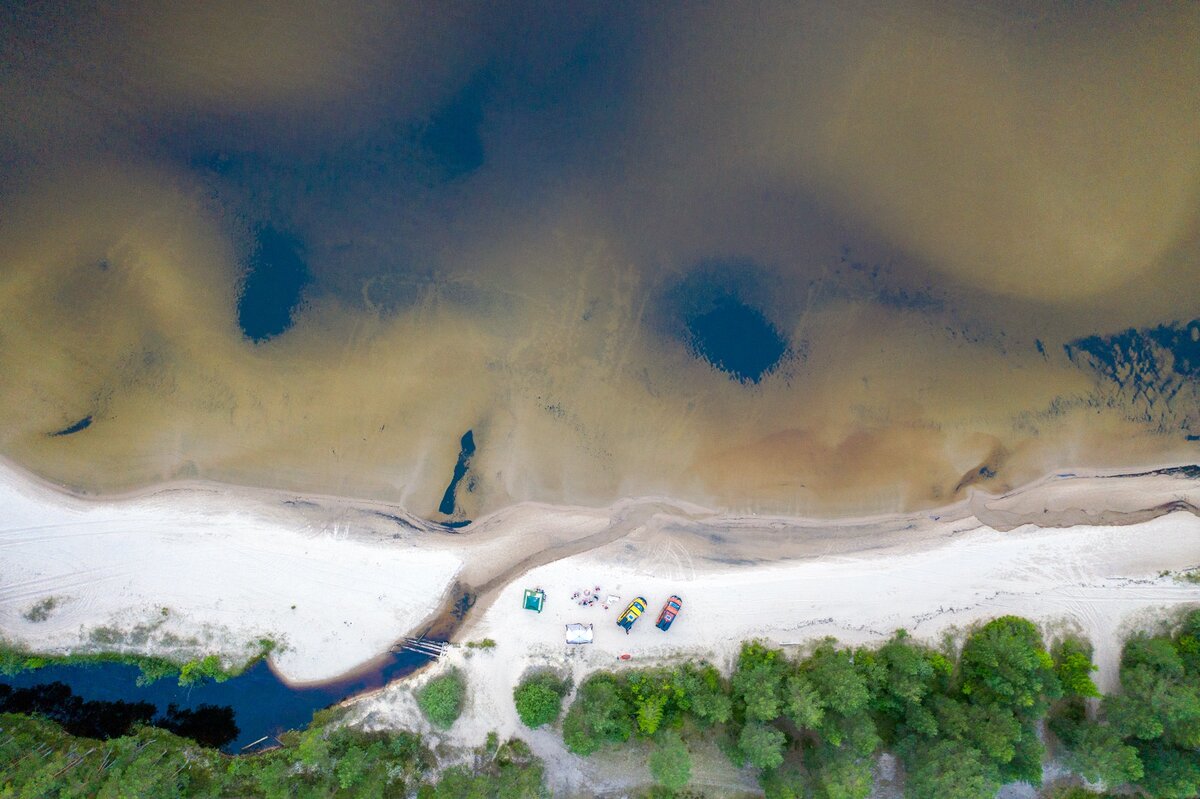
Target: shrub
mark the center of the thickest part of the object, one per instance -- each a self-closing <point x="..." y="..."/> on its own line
<point x="441" y="699"/>
<point x="194" y="671"/>
<point x="539" y="699"/>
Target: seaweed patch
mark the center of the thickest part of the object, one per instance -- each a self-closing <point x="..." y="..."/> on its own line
<point x="1152" y="372"/>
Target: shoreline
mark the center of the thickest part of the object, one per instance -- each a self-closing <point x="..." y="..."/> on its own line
<point x="243" y="536"/>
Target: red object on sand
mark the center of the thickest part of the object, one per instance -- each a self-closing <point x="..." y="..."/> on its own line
<point x="626" y="657"/>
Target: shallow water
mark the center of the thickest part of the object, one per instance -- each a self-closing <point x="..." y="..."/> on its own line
<point x="801" y="258"/>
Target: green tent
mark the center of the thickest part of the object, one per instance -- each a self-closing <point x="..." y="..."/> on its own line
<point x="534" y="599"/>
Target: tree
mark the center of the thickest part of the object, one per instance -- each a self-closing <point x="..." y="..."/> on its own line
<point x="1096" y="752"/>
<point x="701" y="693"/>
<point x="841" y="687"/>
<point x="1073" y="666"/>
<point x="441" y="699"/>
<point x="900" y="676"/>
<point x="758" y="681"/>
<point x="670" y="763"/>
<point x="1004" y="663"/>
<point x="538" y="699"/>
<point x="802" y="704"/>
<point x="762" y="745"/>
<point x="651" y="691"/>
<point x="1170" y="773"/>
<point x="1160" y="699"/>
<point x="991" y="731"/>
<point x="786" y="782"/>
<point x="951" y="770"/>
<point x="598" y="716"/>
<point x="838" y="774"/>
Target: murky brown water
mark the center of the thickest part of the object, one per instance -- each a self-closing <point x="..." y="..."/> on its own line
<point x="514" y="219"/>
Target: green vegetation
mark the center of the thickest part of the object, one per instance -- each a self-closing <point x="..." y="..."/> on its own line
<point x="322" y="761"/>
<point x="539" y="698"/>
<point x="1074" y="667"/>
<point x="508" y="771"/>
<point x="599" y="715"/>
<point x="482" y="643"/>
<point x="962" y="725"/>
<point x="441" y="699"/>
<point x="1149" y="734"/>
<point x="670" y="764"/>
<point x="15" y="659"/>
<point x="42" y="610"/>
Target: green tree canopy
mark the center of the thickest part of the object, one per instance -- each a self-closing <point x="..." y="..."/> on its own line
<point x="670" y="763"/>
<point x="1004" y="663"/>
<point x="762" y="745"/>
<point x="1073" y="666"/>
<point x="598" y="716"/>
<point x="952" y="770"/>
<point x="758" y="681"/>
<point x="538" y="698"/>
<point x="842" y="688"/>
<point x="441" y="699"/>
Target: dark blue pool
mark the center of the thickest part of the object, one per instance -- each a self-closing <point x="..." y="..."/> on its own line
<point x="261" y="703"/>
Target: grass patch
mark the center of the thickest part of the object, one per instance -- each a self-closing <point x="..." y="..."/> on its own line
<point x="483" y="643"/>
<point x="16" y="659"/>
<point x="42" y="610"/>
<point x="441" y="699"/>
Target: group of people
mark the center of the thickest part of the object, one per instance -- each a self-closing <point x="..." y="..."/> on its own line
<point x="588" y="597"/>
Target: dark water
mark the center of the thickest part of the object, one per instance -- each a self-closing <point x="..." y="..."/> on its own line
<point x="82" y="424"/>
<point x="261" y="704"/>
<point x="737" y="339"/>
<point x="275" y="278"/>
<point x="466" y="450"/>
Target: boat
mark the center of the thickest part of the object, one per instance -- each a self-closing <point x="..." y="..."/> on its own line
<point x="669" y="612"/>
<point x="636" y="608"/>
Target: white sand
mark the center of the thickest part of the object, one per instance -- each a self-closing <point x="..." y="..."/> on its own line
<point x="226" y="574"/>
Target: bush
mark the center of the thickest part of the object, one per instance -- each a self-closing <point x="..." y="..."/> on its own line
<point x="539" y="699"/>
<point x="194" y="671"/>
<point x="441" y="699"/>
